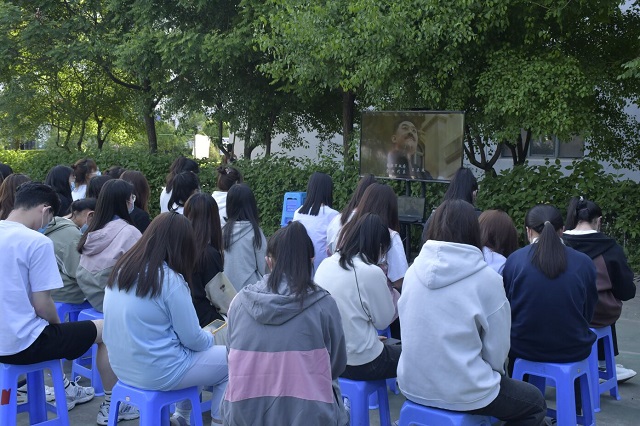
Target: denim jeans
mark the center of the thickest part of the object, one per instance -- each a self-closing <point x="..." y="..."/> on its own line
<point x="518" y="403"/>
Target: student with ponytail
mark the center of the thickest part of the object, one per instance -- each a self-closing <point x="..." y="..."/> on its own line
<point x="552" y="292"/>
<point x="614" y="277"/>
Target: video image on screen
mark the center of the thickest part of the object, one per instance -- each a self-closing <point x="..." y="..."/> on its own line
<point x="412" y="145"/>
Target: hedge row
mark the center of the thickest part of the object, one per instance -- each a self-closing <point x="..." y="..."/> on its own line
<point x="514" y="191"/>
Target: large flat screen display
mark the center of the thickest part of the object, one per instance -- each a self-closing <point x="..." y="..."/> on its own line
<point x="412" y="145"/>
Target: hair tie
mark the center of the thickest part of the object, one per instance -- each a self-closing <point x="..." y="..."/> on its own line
<point x="546" y="222"/>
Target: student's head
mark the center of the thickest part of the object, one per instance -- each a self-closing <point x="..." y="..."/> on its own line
<point x="5" y="171"/>
<point x="184" y="184"/>
<point x="380" y="199"/>
<point x="95" y="185"/>
<point x="582" y="210"/>
<point x="82" y="212"/>
<point x="498" y="232"/>
<point x="544" y="227"/>
<point x="241" y="206"/>
<point x="115" y="172"/>
<point x="369" y="239"/>
<point x="8" y="192"/>
<point x="227" y="177"/>
<point x="319" y="192"/>
<point x="363" y="184"/>
<point x="140" y="187"/>
<point x="455" y="221"/>
<point x="58" y="178"/>
<point x="290" y="256"/>
<point x="36" y="203"/>
<point x="84" y="170"/>
<point x="116" y="199"/>
<point x="202" y="210"/>
<point x="169" y="238"/>
<point x="179" y="165"/>
<point x="405" y="137"/>
<point x="463" y="186"/>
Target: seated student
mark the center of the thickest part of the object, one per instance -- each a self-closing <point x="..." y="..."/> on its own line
<point x="83" y="170"/>
<point x="359" y="287"/>
<point x="347" y="213"/>
<point x="455" y="327"/>
<point x="31" y="331"/>
<point x="227" y="177"/>
<point x="109" y="236"/>
<point x="316" y="213"/>
<point x="285" y="343"/>
<point x="614" y="277"/>
<point x="140" y="214"/>
<point x="65" y="235"/>
<point x="552" y="291"/>
<point x="499" y="238"/>
<point x="151" y="328"/>
<point x="8" y="192"/>
<point x="179" y="165"/>
<point x="184" y="185"/>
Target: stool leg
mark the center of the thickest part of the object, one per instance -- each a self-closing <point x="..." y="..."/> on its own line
<point x="360" y="410"/>
<point x="594" y="377"/>
<point x="8" y="402"/>
<point x="58" y="385"/>
<point x="114" y="407"/>
<point x="37" y="399"/>
<point x="566" y="402"/>
<point x="610" y="362"/>
<point x="96" y="381"/>
<point x="383" y="404"/>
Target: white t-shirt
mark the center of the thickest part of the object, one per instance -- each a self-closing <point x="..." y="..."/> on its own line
<point x="79" y="192"/>
<point x="221" y="200"/>
<point x="28" y="265"/>
<point x="164" y="200"/>
<point x="316" y="227"/>
<point x="332" y="233"/>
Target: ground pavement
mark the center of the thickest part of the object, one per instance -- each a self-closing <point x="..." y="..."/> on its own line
<point x="625" y="412"/>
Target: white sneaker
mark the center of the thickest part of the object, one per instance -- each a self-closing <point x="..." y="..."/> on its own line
<point x="49" y="393"/>
<point x="125" y="412"/>
<point x="79" y="394"/>
<point x="177" y="420"/>
<point x="624" y="374"/>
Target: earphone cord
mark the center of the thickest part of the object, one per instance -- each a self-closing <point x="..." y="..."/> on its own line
<point x="359" y="296"/>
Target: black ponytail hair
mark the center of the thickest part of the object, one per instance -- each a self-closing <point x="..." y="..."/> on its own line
<point x="548" y="253"/>
<point x="581" y="210"/>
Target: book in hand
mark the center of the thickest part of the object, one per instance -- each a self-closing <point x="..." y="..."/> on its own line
<point x="219" y="330"/>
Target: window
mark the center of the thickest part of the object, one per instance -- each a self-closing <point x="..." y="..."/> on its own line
<point x="549" y="146"/>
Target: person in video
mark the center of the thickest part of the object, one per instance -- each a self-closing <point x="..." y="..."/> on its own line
<point x="401" y="160"/>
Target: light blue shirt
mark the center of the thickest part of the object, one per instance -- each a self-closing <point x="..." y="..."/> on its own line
<point x="151" y="340"/>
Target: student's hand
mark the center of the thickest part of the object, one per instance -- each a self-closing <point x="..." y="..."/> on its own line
<point x="382" y="338"/>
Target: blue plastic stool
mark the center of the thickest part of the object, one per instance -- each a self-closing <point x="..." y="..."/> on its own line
<point x="70" y="309"/>
<point x="36" y="404"/>
<point x="609" y="375"/>
<point x="153" y="405"/>
<point x="80" y="366"/>
<point x="357" y="392"/>
<point x="564" y="375"/>
<point x="420" y="415"/>
<point x="292" y="201"/>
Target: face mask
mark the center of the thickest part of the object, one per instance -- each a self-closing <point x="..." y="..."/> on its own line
<point x="41" y="230"/>
<point x="131" y="208"/>
<point x="84" y="228"/>
<point x="43" y="225"/>
<point x="72" y="185"/>
<point x="98" y="173"/>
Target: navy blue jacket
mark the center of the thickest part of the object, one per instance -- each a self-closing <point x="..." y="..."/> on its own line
<point x="550" y="317"/>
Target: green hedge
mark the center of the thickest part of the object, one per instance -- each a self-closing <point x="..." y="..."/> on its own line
<point x="514" y="191"/>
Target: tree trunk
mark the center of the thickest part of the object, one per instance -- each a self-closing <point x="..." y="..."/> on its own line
<point x="248" y="145"/>
<point x="476" y="143"/>
<point x="348" y="106"/>
<point x="269" y="133"/>
<point x="150" y="127"/>
<point x="82" y="129"/>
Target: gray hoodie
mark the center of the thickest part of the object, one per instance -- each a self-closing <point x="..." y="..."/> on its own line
<point x="65" y="236"/>
<point x="284" y="357"/>
<point x="456" y="323"/>
<point x="244" y="264"/>
<point x="100" y="253"/>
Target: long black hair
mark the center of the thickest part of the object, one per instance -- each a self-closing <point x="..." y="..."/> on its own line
<point x="169" y="238"/>
<point x="95" y="185"/>
<point x="184" y="184"/>
<point x="368" y="239"/>
<point x="319" y="192"/>
<point x="241" y="206"/>
<point x="202" y="210"/>
<point x="455" y="221"/>
<point x="58" y="179"/>
<point x="462" y="186"/>
<point x="112" y="202"/>
<point x="179" y="165"/>
<point x="548" y="253"/>
<point x="292" y="252"/>
<point x="581" y="210"/>
<point x="363" y="184"/>
<point x="227" y="177"/>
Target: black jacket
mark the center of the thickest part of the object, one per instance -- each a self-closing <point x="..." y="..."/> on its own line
<point x="201" y="276"/>
<point x="614" y="279"/>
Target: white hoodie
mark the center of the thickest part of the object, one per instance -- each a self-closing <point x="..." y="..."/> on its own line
<point x="456" y="323"/>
